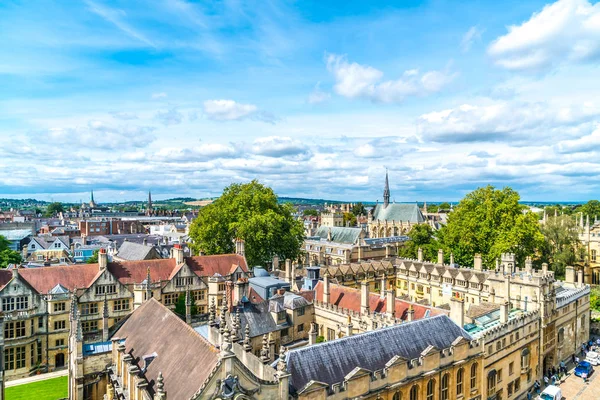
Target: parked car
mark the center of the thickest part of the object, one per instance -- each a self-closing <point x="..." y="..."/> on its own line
<point x="583" y="369"/>
<point x="551" y="393"/>
<point x="593" y="358"/>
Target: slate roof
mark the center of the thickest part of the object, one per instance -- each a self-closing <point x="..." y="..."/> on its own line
<point x="135" y="251"/>
<point x="331" y="361"/>
<point x="153" y="328"/>
<point x="339" y="234"/>
<point x="258" y="317"/>
<point x="398" y="212"/>
<point x="476" y="311"/>
<point x="349" y="298"/>
<point x="15" y="234"/>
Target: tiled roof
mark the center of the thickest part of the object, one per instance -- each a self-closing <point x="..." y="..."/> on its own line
<point x="476" y="311"/>
<point x="135" y="251"/>
<point x="220" y="264"/>
<point x="398" y="212"/>
<point x="184" y="358"/>
<point x="339" y="234"/>
<point x="44" y="279"/>
<point x="132" y="272"/>
<point x="331" y="361"/>
<point x="5" y="277"/>
<point x="349" y="298"/>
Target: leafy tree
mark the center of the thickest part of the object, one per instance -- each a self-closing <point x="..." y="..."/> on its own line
<point x="595" y="298"/>
<point x="94" y="258"/>
<point x="8" y="256"/>
<point x="562" y="246"/>
<point x="444" y="206"/>
<point x="359" y="209"/>
<point x="310" y="212"/>
<point x="180" y="306"/>
<point x="54" y="208"/>
<point x="251" y="212"/>
<point x="432" y="208"/>
<point x="351" y="218"/>
<point x="591" y="208"/>
<point x="420" y="236"/>
<point x="491" y="222"/>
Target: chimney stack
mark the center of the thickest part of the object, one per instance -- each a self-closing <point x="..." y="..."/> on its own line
<point x="387" y="251"/>
<point x="383" y="285"/>
<point x="570" y="275"/>
<point x="326" y="289"/>
<point x="102" y="259"/>
<point x="477" y="263"/>
<point x="457" y="311"/>
<point x="580" y="277"/>
<point x="312" y="334"/>
<point x="420" y="255"/>
<point x="528" y="265"/>
<point x="275" y="263"/>
<point x="288" y="271"/>
<point x="440" y="257"/>
<point x="178" y="254"/>
<point x="507" y="289"/>
<point x="240" y="247"/>
<point x="390" y="303"/>
<point x="504" y="310"/>
<point x="364" y="297"/>
<point x="410" y="314"/>
<point x="544" y="268"/>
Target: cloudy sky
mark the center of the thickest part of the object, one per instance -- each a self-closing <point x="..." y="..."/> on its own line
<point x="183" y="98"/>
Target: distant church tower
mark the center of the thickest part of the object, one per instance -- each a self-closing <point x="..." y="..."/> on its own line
<point x="149" y="207"/>
<point x="386" y="191"/>
<point x="92" y="202"/>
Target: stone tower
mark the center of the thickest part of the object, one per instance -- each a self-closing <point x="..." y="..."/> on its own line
<point x="386" y="191"/>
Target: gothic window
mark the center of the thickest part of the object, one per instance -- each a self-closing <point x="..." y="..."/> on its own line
<point x="445" y="384"/>
<point x="491" y="383"/>
<point x="525" y="357"/>
<point x="430" y="389"/>
<point x="397" y="396"/>
<point x="459" y="381"/>
<point x="414" y="393"/>
<point x="473" y="376"/>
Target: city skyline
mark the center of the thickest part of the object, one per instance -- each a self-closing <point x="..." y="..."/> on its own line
<point x="315" y="101"/>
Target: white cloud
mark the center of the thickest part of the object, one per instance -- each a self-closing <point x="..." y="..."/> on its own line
<point x="586" y="143"/>
<point x="362" y="81"/>
<point x="318" y="95"/>
<point x="490" y="120"/>
<point x="98" y="134"/>
<point x="365" y="151"/>
<point x="169" y="117"/>
<point x="156" y="96"/>
<point x="565" y="31"/>
<point x="278" y="146"/>
<point x="471" y="36"/>
<point x="230" y="110"/>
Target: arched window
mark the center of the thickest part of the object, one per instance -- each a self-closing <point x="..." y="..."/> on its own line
<point x="459" y="381"/>
<point x="473" y="376"/>
<point x="445" y="390"/>
<point x="525" y="358"/>
<point x="491" y="383"/>
<point x="397" y="396"/>
<point x="414" y="393"/>
<point x="430" y="389"/>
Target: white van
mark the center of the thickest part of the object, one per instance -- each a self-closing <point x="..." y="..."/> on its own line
<point x="551" y="393"/>
<point x="593" y="358"/>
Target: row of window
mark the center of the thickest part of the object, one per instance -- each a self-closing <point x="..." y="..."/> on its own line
<point x="15" y="303"/>
<point x="445" y="388"/>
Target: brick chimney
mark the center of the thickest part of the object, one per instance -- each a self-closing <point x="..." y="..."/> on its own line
<point x="178" y="254"/>
<point x="477" y="264"/>
<point x="364" y="297"/>
<point x="390" y="303"/>
<point x="102" y="259"/>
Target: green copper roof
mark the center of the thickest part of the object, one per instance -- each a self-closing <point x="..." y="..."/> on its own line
<point x="398" y="212"/>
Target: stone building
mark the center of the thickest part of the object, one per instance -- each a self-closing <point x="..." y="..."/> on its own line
<point x="590" y="239"/>
<point x="36" y="301"/>
<point x="341" y="245"/>
<point x="390" y="219"/>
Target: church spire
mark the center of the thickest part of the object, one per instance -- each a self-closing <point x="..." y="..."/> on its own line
<point x="149" y="207"/>
<point x="92" y="197"/>
<point x="386" y="191"/>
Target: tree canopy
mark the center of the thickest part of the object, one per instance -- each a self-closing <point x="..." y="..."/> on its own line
<point x="562" y="246"/>
<point x="310" y="212"/>
<point x="8" y="256"/>
<point x="420" y="236"/>
<point x="250" y="212"/>
<point x="54" y="208"/>
<point x="490" y="222"/>
<point x="359" y="209"/>
<point x="591" y="209"/>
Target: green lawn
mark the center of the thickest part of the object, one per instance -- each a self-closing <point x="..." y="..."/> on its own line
<point x="50" y="389"/>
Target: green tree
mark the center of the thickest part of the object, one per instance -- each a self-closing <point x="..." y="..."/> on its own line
<point x="421" y="236"/>
<point x="351" y="218"/>
<point x="180" y="306"/>
<point x="562" y="246"/>
<point x="432" y="208"/>
<point x="310" y="212"/>
<point x="359" y="209"/>
<point x="54" y="208"/>
<point x="94" y="258"/>
<point x="591" y="208"/>
<point x="444" y="206"/>
<point x="8" y="256"/>
<point x="251" y="212"/>
<point x="491" y="222"/>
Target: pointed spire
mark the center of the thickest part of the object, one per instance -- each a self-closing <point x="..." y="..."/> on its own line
<point x="247" y="343"/>
<point x="74" y="305"/>
<point x="160" y="394"/>
<point x="587" y="221"/>
<point x="78" y="331"/>
<point x="212" y="312"/>
<point x="282" y="364"/>
<point x="92" y="197"/>
<point x="234" y="329"/>
<point x="264" y="351"/>
<point x="386" y="191"/>
<point x="188" y="296"/>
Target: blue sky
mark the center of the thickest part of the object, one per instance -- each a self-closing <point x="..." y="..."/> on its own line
<point x="315" y="100"/>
